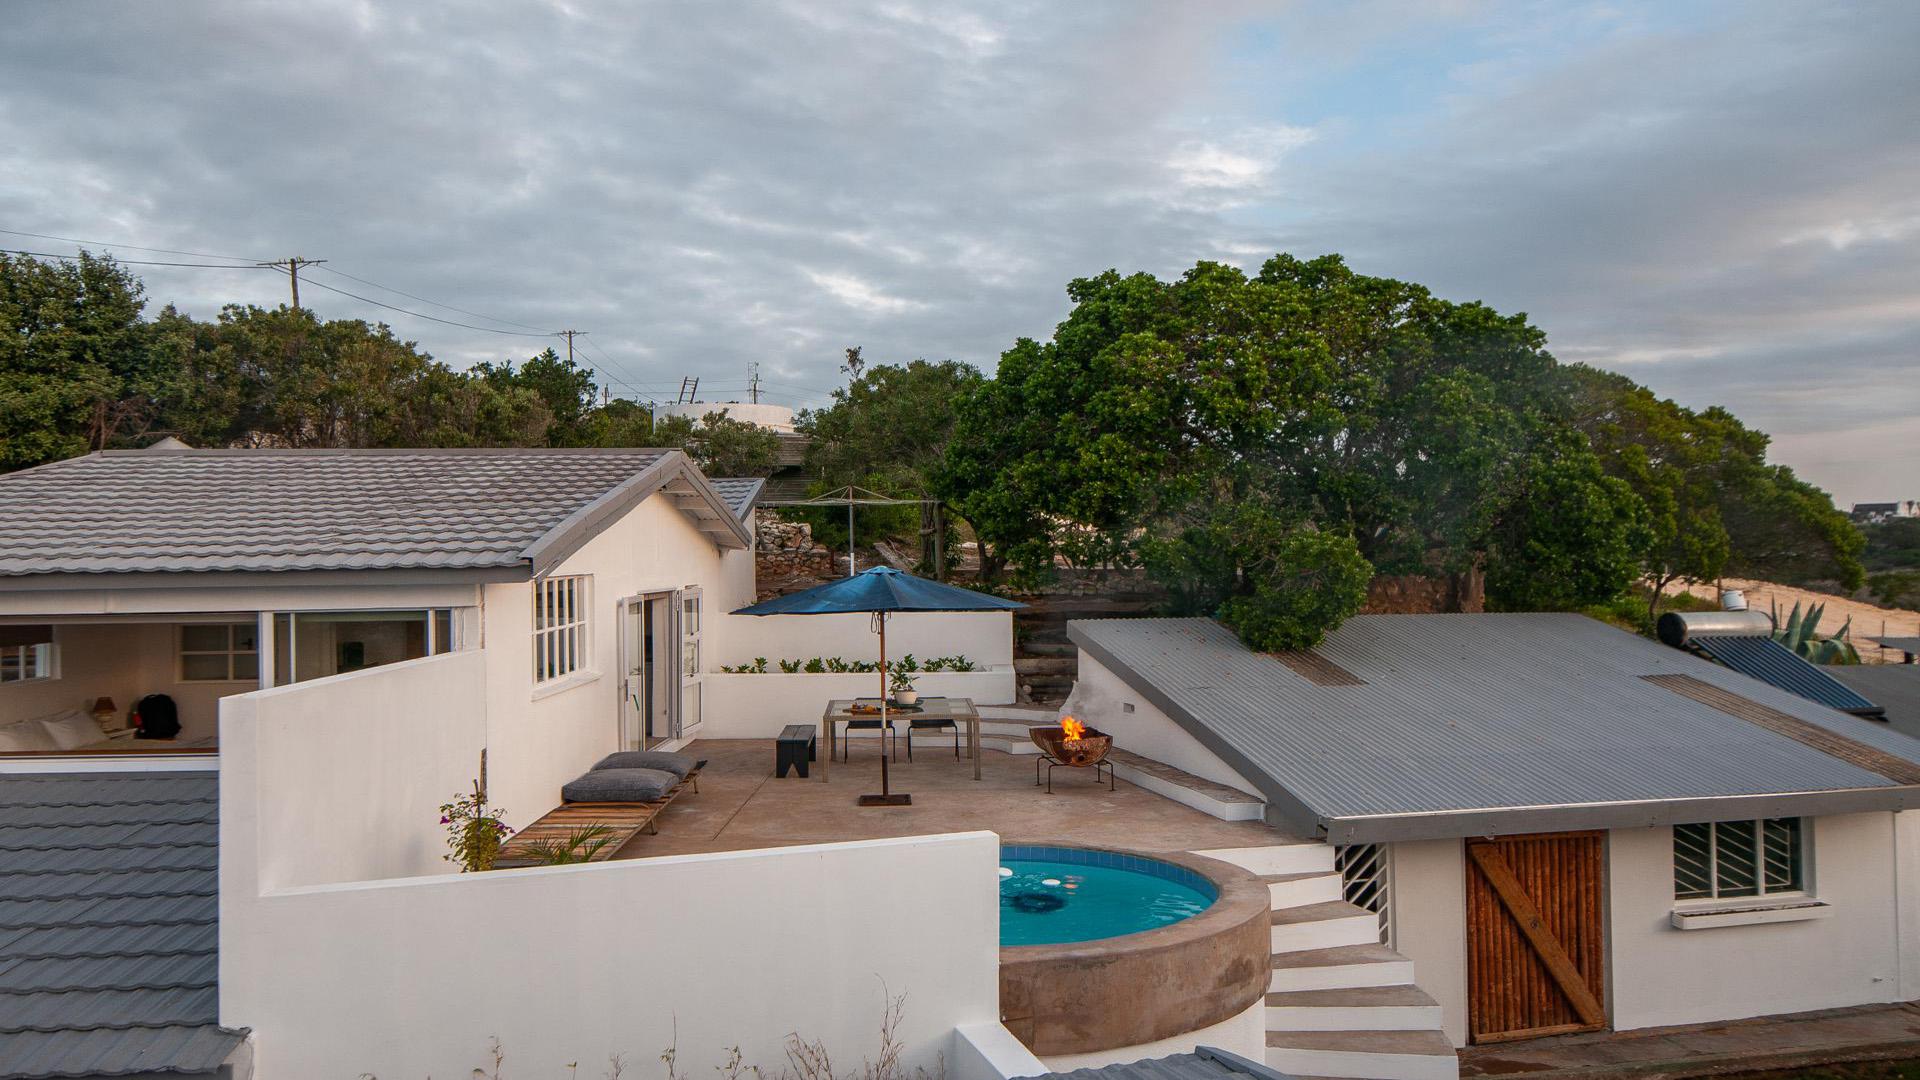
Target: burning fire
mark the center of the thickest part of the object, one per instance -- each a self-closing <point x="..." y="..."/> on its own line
<point x="1073" y="729"/>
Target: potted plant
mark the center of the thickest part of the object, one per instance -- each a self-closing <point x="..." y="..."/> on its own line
<point x="902" y="686"/>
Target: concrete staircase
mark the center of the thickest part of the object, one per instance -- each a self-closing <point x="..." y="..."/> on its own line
<point x="1005" y="727"/>
<point x="1339" y="1003"/>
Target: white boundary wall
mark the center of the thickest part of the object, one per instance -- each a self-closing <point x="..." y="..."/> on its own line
<point x="985" y="637"/>
<point x="342" y="964"/>
<point x="1862" y="866"/>
<point x="758" y="706"/>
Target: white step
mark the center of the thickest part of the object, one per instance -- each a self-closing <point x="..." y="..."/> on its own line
<point x="1295" y="890"/>
<point x="1017" y="745"/>
<point x="1371" y="964"/>
<point x="1301" y="858"/>
<point x="1375" y="1055"/>
<point x="1323" y="926"/>
<point x="1196" y="792"/>
<point x="1372" y="1008"/>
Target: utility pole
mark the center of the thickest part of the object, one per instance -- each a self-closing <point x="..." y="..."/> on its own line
<point x="569" y="335"/>
<point x="292" y="265"/>
<point x="753" y="382"/>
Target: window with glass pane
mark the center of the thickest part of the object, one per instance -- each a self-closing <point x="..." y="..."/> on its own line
<point x="1734" y="859"/>
<point x="219" y="652"/>
<point x="316" y="644"/>
<point x="559" y="627"/>
<point x="25" y="663"/>
<point x="690" y="634"/>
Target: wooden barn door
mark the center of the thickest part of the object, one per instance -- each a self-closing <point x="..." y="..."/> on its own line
<point x="1536" y="947"/>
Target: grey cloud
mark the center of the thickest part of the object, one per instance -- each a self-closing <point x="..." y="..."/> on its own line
<point x="703" y="186"/>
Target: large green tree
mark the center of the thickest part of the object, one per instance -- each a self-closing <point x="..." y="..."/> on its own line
<point x="1199" y="426"/>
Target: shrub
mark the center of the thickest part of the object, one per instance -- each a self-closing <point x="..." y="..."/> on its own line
<point x="474" y="833"/>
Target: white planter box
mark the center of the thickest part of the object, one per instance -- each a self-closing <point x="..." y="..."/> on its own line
<point x="758" y="706"/>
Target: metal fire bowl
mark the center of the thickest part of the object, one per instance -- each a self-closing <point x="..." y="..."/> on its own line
<point x="1091" y="749"/>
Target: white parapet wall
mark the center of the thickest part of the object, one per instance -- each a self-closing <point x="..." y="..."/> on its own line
<point x="758" y="706"/>
<point x="349" y="947"/>
<point x="985" y="637"/>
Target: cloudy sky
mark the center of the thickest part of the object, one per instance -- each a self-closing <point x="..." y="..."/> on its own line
<point x="1720" y="199"/>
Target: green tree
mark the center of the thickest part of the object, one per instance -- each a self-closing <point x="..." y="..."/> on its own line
<point x="888" y="431"/>
<point x="565" y="388"/>
<point x="1568" y="535"/>
<point x="1311" y="399"/>
<point x="727" y="447"/>
<point x="75" y="371"/>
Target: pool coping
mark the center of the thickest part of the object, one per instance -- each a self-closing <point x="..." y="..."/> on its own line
<point x="1085" y="996"/>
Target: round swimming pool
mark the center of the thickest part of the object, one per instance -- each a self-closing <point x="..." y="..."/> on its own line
<point x="1054" y="895"/>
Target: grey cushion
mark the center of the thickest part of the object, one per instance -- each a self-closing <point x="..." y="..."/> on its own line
<point x="677" y="764"/>
<point x="619" y="785"/>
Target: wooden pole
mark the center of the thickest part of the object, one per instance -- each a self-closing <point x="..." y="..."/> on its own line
<point x="886" y="796"/>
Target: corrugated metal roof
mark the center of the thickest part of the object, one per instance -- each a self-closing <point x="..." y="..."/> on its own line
<point x="740" y="492"/>
<point x="1468" y="716"/>
<point x="1776" y="665"/>
<point x="109" y="925"/>
<point x="1904" y="644"/>
<point x="1205" y="1063"/>
<point x="125" y="512"/>
<point x="1894" y="687"/>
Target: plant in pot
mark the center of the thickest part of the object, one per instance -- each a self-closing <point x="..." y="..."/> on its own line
<point x="902" y="687"/>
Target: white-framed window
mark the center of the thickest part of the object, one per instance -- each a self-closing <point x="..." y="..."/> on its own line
<point x="218" y="652"/>
<point x="690" y="633"/>
<point x="560" y="607"/>
<point x="1728" y="860"/>
<point x="28" y="663"/>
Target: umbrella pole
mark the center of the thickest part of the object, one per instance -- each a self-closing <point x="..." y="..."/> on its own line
<point x="886" y="796"/>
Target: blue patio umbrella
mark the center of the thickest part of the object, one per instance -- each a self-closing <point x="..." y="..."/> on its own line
<point x="880" y="592"/>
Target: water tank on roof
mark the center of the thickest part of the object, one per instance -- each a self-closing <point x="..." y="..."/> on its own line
<point x="1677" y="627"/>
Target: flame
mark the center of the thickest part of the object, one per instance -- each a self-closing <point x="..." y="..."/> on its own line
<point x="1073" y="729"/>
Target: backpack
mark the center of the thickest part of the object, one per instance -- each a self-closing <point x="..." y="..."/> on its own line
<point x="159" y="719"/>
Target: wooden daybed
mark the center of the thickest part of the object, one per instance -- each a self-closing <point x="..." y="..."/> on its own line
<point x="624" y="820"/>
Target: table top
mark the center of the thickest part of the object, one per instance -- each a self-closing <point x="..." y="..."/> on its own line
<point x="931" y="708"/>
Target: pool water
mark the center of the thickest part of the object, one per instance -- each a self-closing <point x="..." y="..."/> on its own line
<point x="1053" y="895"/>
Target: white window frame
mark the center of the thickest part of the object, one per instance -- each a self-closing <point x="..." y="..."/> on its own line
<point x="181" y="652"/>
<point x="46" y="665"/>
<point x="1803" y="855"/>
<point x="562" y="623"/>
<point x="692" y="620"/>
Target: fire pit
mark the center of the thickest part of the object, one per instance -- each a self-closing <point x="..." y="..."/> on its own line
<point x="1074" y="745"/>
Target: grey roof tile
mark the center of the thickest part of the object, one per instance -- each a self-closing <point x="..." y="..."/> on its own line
<point x="265" y="510"/>
<point x="1205" y="1063"/>
<point x="739" y="492"/>
<point x="1477" y="712"/>
<point x="108" y="926"/>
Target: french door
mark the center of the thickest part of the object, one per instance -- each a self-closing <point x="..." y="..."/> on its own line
<point x="660" y="665"/>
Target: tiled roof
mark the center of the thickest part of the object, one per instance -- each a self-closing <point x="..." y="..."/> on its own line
<point x="289" y="510"/>
<point x="109" y="928"/>
<point x="740" y="492"/>
<point x="1464" y="724"/>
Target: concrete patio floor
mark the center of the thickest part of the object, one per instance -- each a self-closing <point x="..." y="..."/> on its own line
<point x="740" y="805"/>
<point x="1764" y="1044"/>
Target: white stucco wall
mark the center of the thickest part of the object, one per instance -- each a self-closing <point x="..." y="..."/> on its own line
<point x="758" y="706"/>
<point x="541" y="737"/>
<point x="1660" y="975"/>
<point x="1100" y="698"/>
<point x="416" y="977"/>
<point x="985" y="637"/>
<point x="341" y="779"/>
<point x="1429" y="911"/>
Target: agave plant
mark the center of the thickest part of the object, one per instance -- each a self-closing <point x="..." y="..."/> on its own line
<point x="578" y="846"/>
<point x="1801" y="635"/>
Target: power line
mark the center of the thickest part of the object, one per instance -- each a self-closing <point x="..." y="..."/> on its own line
<point x="128" y="262"/>
<point x="130" y="247"/>
<point x="424" y="300"/>
<point x="292" y="264"/>
<point x="418" y="315"/>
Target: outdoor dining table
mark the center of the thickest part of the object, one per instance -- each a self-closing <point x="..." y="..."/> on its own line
<point x="957" y="710"/>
